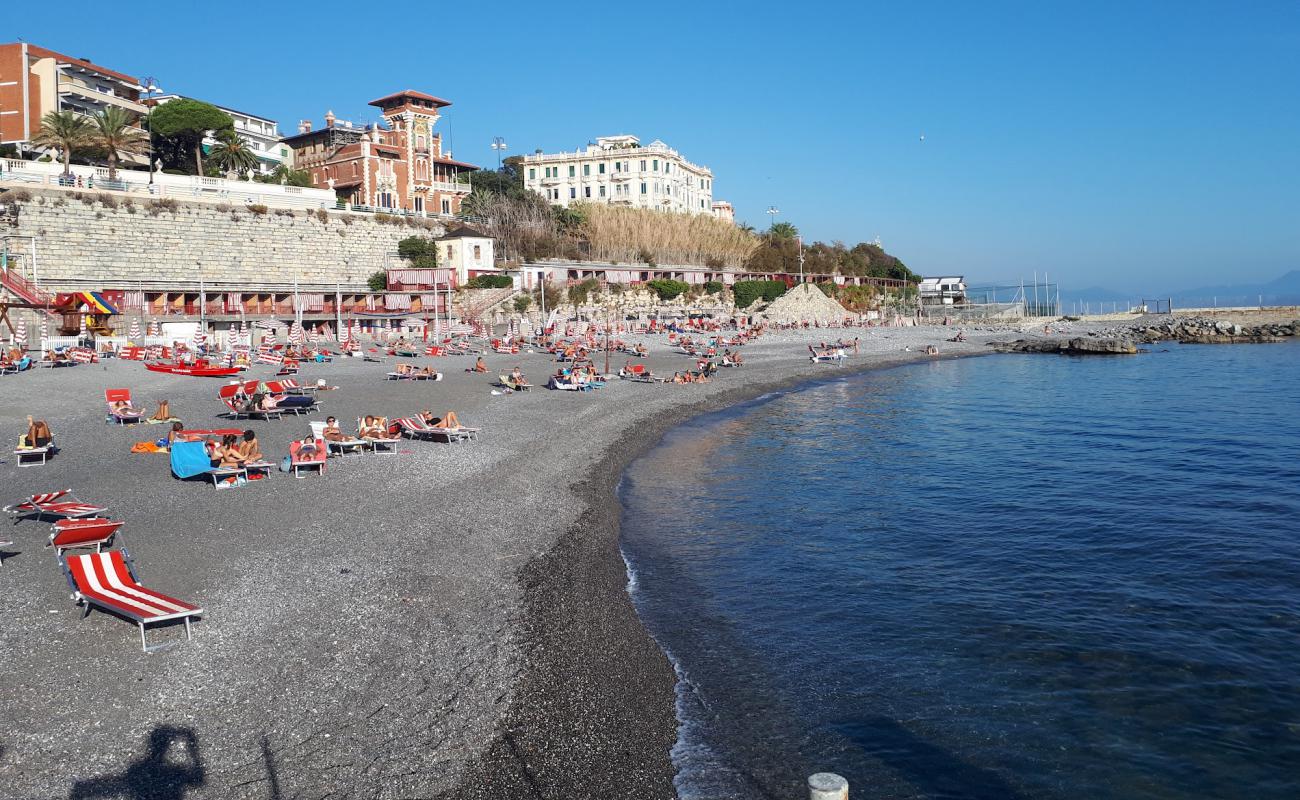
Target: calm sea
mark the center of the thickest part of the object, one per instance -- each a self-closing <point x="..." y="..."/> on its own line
<point x="1004" y="577"/>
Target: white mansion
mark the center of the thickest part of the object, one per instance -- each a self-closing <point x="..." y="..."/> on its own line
<point x="621" y="171"/>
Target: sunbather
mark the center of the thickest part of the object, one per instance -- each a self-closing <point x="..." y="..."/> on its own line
<point x="250" y="449"/>
<point x="480" y="365"/>
<point x="177" y="433"/>
<point x="448" y="421"/>
<point x="372" y="428"/>
<point x="331" y="432"/>
<point x="517" y="377"/>
<point x="164" y="412"/>
<point x="427" y="372"/>
<point x="38" y="434"/>
<point x="230" y="453"/>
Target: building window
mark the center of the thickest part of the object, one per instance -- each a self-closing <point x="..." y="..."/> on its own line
<point x="478" y="253"/>
<point x="656" y="165"/>
<point x="586" y="170"/>
<point x="419" y="205"/>
<point x="586" y="191"/>
<point x="643" y="187"/>
<point x="573" y="193"/>
<point x="643" y="165"/>
<point x="572" y="171"/>
<point x="449" y="251"/>
<point x="446" y="206"/>
<point x="602" y="191"/>
<point x="532" y="173"/>
<point x="618" y="166"/>
<point x="601" y="169"/>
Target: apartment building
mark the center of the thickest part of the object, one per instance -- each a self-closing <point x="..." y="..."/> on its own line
<point x="401" y="167"/>
<point x="35" y="81"/>
<point x="262" y="135"/>
<point x="619" y="170"/>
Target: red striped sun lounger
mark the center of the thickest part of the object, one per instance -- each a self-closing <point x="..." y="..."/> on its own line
<point x="96" y="532"/>
<point x="54" y="504"/>
<point x="105" y="581"/>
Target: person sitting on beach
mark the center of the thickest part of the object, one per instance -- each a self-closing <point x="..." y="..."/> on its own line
<point x="480" y="365"/>
<point x="677" y="378"/>
<point x="931" y="350"/>
<point x="38" y="435"/>
<point x="332" y="432"/>
<point x="121" y="408"/>
<point x="641" y="350"/>
<point x="404" y="369"/>
<point x="250" y="449"/>
<point x="426" y="372"/>
<point x="176" y="434"/>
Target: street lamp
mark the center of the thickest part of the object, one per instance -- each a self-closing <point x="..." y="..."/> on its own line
<point x="150" y="89"/>
<point x="499" y="145"/>
<point x="772" y="211"/>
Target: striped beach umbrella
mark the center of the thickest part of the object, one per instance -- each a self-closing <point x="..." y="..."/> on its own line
<point x="313" y="335"/>
<point x="200" y="338"/>
<point x="82" y="333"/>
<point x="45" y="333"/>
<point x="134" y="334"/>
<point x="155" y="328"/>
<point x="296" y="333"/>
<point x="20" y="337"/>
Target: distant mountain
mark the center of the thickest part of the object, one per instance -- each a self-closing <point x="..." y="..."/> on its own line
<point x="1282" y="291"/>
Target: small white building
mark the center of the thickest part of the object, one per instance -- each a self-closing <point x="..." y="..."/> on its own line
<point x="262" y="136"/>
<point x="619" y="170"/>
<point x="946" y="291"/>
<point x="466" y="251"/>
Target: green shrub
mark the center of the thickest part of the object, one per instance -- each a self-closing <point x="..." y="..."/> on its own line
<point x="415" y="246"/>
<point x="579" y="293"/>
<point x="378" y="281"/>
<point x="647" y="257"/>
<point x="667" y="289"/>
<point x="828" y="289"/>
<point x="522" y="302"/>
<point x="490" y="282"/>
<point x="746" y="292"/>
<point x="713" y="287"/>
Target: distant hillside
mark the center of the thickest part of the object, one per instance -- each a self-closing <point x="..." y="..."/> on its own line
<point x="1282" y="291"/>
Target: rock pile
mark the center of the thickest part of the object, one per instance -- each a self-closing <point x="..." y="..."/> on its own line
<point x="1075" y="347"/>
<point x="804" y="303"/>
<point x="1199" y="330"/>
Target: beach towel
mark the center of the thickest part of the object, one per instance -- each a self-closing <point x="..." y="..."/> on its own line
<point x="189" y="459"/>
<point x="146" y="447"/>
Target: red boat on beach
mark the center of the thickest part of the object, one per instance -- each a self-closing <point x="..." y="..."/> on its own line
<point x="199" y="369"/>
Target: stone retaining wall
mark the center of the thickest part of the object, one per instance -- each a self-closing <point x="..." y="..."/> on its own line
<point x="88" y="240"/>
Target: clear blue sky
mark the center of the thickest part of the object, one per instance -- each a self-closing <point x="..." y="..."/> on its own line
<point x="1135" y="145"/>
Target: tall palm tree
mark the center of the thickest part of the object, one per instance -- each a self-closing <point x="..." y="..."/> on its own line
<point x="115" y="131"/>
<point x="65" y="131"/>
<point x="783" y="230"/>
<point x="231" y="153"/>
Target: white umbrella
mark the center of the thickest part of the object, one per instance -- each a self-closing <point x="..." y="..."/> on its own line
<point x="20" y="337"/>
<point x="155" y="329"/>
<point x="313" y="336"/>
<point x="200" y="337"/>
<point x="134" y="334"/>
<point x="296" y="333"/>
<point x="82" y="334"/>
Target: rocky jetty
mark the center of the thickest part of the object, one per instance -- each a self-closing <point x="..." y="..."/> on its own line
<point x="1073" y="347"/>
<point x="1201" y="330"/>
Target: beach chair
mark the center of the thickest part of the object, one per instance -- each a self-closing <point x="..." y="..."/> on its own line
<point x="54" y="505"/>
<point x="71" y="534"/>
<point x="451" y="435"/>
<point x="513" y="385"/>
<point x="291" y="386"/>
<point x="33" y="456"/>
<point x="106" y="581"/>
<point x="300" y="458"/>
<point x="278" y="392"/>
<point x="413" y="428"/>
<point x="354" y="445"/>
<point x="373" y="354"/>
<point x="637" y="373"/>
<point x="380" y="444"/>
<point x="130" y="414"/>
<point x="191" y="459"/>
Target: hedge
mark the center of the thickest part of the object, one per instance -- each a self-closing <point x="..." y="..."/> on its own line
<point x="490" y="282"/>
<point x="668" y="289"/>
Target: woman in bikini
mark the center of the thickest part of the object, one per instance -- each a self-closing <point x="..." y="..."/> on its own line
<point x="250" y="449"/>
<point x="164" y="412"/>
<point x="38" y="433"/>
<point x="228" y="454"/>
<point x="372" y="429"/>
<point x="332" y="432"/>
<point x="449" y="421"/>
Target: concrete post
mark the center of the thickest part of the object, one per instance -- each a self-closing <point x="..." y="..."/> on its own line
<point x="827" y="786"/>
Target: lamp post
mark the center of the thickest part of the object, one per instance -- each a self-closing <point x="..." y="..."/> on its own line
<point x="499" y="145"/>
<point x="772" y="211"/>
<point x="150" y="89"/>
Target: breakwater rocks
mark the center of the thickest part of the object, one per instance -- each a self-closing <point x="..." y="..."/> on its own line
<point x="1072" y="347"/>
<point x="1200" y="330"/>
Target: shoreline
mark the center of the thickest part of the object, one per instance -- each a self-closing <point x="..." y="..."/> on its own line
<point x="625" y="732"/>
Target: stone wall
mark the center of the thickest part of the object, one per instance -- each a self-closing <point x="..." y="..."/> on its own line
<point x="86" y="240"/>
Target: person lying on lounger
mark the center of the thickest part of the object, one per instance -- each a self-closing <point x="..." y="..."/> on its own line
<point x="331" y="432"/>
<point x="448" y="421"/>
<point x="38" y="435"/>
<point x="371" y="428"/>
<point x="517" y="377"/>
<point x="426" y="372"/>
<point x="250" y="448"/>
<point x="121" y="408"/>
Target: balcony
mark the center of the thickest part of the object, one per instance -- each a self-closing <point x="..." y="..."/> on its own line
<point x="97" y="95"/>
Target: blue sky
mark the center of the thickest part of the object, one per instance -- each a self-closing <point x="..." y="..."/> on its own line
<point x="1138" y="145"/>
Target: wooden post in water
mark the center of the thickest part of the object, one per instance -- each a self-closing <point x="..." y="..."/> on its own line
<point x="827" y="786"/>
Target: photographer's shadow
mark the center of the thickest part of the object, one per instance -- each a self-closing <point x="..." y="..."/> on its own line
<point x="171" y="768"/>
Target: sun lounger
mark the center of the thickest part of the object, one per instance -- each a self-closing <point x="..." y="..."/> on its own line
<point x="637" y="373"/>
<point x="380" y="444"/>
<point x="70" y="534"/>
<point x="291" y="386"/>
<point x="300" y="459"/>
<point x="513" y="385"/>
<point x="130" y="414"/>
<point x="32" y="456"/>
<point x="106" y="581"/>
<point x="413" y="428"/>
<point x="54" y="505"/>
<point x="452" y="435"/>
<point x="374" y="355"/>
<point x="342" y="447"/>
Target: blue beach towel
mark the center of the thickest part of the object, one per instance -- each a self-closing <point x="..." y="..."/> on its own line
<point x="189" y="459"/>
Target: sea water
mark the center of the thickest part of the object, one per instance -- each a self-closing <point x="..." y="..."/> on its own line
<point x="1005" y="577"/>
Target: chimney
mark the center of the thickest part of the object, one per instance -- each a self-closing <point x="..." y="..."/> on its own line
<point x="329" y="119"/>
<point x="304" y="126"/>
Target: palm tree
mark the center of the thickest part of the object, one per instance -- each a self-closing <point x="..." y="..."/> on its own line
<point x="65" y="131"/>
<point x="783" y="230"/>
<point x="116" y="132"/>
<point x="231" y="153"/>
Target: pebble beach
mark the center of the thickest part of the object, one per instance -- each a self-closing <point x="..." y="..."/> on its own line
<point x="447" y="621"/>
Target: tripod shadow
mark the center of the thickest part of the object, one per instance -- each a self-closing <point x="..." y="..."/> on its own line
<point x="171" y="768"/>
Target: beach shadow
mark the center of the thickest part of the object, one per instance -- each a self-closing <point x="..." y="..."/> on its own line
<point x="931" y="770"/>
<point x="168" y="771"/>
<point x="272" y="773"/>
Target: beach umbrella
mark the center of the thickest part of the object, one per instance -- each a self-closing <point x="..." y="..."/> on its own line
<point x="296" y="333"/>
<point x="155" y="329"/>
<point x="200" y="338"/>
<point x="82" y="334"/>
<point x="45" y="333"/>
<point x="314" y="335"/>
<point x="134" y="334"/>
<point x="20" y="337"/>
